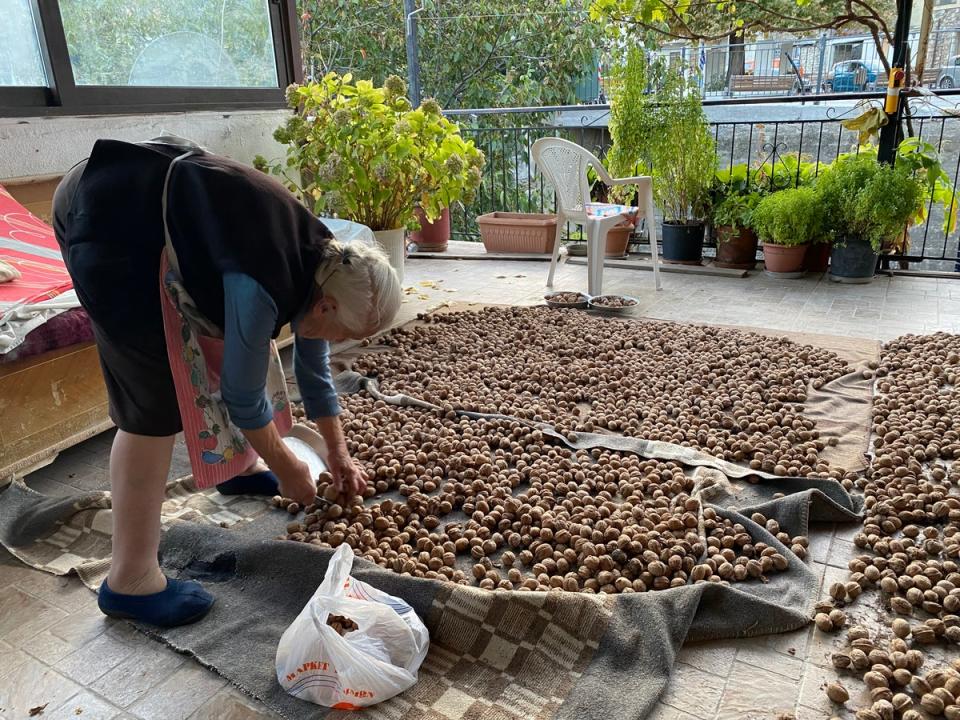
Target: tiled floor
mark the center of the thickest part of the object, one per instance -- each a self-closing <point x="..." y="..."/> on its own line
<point x="57" y="651"/>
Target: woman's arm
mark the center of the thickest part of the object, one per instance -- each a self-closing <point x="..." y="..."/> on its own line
<point x="312" y="368"/>
<point x="250" y="316"/>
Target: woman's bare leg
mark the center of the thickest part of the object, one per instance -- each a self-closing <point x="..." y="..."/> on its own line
<point x="139" y="465"/>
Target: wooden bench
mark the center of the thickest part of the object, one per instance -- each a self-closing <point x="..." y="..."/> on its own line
<point x="762" y="83"/>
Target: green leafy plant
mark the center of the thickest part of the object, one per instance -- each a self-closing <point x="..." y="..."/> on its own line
<point x="734" y="196"/>
<point x="736" y="210"/>
<point x="634" y="122"/>
<point x="789" y="217"/>
<point x="362" y="153"/>
<point x="865" y="199"/>
<point x="885" y="205"/>
<point x="736" y="179"/>
<point x="684" y="154"/>
<point x="923" y="160"/>
<point x="785" y="171"/>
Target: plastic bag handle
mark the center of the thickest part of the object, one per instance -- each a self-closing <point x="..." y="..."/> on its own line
<point x="338" y="571"/>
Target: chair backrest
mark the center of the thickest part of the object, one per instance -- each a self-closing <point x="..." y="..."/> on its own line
<point x="565" y="165"/>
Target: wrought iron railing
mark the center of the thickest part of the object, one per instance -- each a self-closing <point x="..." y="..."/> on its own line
<point x="510" y="184"/>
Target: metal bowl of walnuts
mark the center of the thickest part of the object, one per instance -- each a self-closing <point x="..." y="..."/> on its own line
<point x="567" y="299"/>
<point x="613" y="304"/>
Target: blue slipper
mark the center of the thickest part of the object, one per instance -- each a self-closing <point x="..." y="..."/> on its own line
<point x="259" y="483"/>
<point x="180" y="603"/>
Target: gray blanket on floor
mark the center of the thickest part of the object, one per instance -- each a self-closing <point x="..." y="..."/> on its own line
<point x="496" y="655"/>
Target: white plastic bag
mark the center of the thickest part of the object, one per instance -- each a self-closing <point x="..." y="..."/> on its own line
<point x="378" y="660"/>
<point x="348" y="232"/>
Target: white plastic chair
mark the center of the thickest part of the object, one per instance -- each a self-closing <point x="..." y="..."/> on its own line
<point x="565" y="166"/>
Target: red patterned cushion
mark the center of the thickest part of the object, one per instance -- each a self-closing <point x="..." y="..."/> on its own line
<point x="28" y="243"/>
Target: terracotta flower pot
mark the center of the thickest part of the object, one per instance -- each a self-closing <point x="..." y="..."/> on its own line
<point x="432" y="236"/>
<point x="783" y="259"/>
<point x="818" y="257"/>
<point x="736" y="248"/>
<point x="617" y="240"/>
<point x="506" y="232"/>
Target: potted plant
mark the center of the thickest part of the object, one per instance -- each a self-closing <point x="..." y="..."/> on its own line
<point x="787" y="221"/>
<point x="733" y="199"/>
<point x="818" y="254"/>
<point x="867" y="204"/>
<point x="362" y="153"/>
<point x="431" y="236"/>
<point x="633" y="128"/>
<point x="923" y="161"/>
<point x="684" y="160"/>
<point x="515" y="232"/>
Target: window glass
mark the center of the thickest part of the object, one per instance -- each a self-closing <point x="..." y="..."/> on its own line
<point x="20" y="63"/>
<point x="170" y="43"/>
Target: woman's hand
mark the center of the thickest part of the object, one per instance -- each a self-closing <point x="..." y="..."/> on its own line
<point x="292" y="473"/>
<point x="296" y="482"/>
<point x="348" y="477"/>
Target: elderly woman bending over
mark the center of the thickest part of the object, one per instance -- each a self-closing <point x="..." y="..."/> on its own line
<point x="162" y="236"/>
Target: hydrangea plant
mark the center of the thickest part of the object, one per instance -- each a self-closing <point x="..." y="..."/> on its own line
<point x="362" y="153"/>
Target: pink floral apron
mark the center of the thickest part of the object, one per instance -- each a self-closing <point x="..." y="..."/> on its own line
<point x="218" y="450"/>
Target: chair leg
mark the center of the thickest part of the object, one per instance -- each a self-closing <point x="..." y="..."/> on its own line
<point x="556" y="251"/>
<point x="652" y="235"/>
<point x="595" y="243"/>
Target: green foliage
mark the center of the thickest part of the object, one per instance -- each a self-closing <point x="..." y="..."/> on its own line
<point x="363" y="153"/>
<point x="865" y="199"/>
<point x="786" y="171"/>
<point x="923" y="160"/>
<point x="654" y="20"/>
<point x="737" y="178"/>
<point x="885" y="205"/>
<point x="684" y="154"/>
<point x="736" y="210"/>
<point x="473" y="53"/>
<point x="789" y="217"/>
<point x="634" y="122"/>
<point x="734" y="195"/>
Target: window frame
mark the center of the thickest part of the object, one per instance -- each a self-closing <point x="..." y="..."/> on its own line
<point x="62" y="96"/>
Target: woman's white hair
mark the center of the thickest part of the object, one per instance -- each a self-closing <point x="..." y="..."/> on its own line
<point x="366" y="287"/>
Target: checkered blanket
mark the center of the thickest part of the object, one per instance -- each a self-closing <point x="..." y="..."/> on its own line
<point x="493" y="655"/>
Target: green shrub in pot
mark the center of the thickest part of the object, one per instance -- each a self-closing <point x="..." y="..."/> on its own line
<point x="923" y="161"/>
<point x="735" y="211"/>
<point x="684" y="162"/>
<point x="634" y="121"/>
<point x="362" y="153"/>
<point x="866" y="205"/>
<point x="787" y="222"/>
<point x="732" y="222"/>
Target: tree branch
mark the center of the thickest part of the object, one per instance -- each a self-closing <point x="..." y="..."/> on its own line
<point x="769" y="19"/>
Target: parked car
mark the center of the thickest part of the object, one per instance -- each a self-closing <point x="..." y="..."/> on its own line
<point x="850" y="76"/>
<point x="949" y="76"/>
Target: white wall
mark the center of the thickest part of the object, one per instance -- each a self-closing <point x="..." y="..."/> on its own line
<point x="52" y="145"/>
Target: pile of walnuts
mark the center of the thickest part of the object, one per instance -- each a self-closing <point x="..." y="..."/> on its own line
<point x="737" y="395"/>
<point x="498" y="504"/>
<point x="911" y="532"/>
<point x="494" y="503"/>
